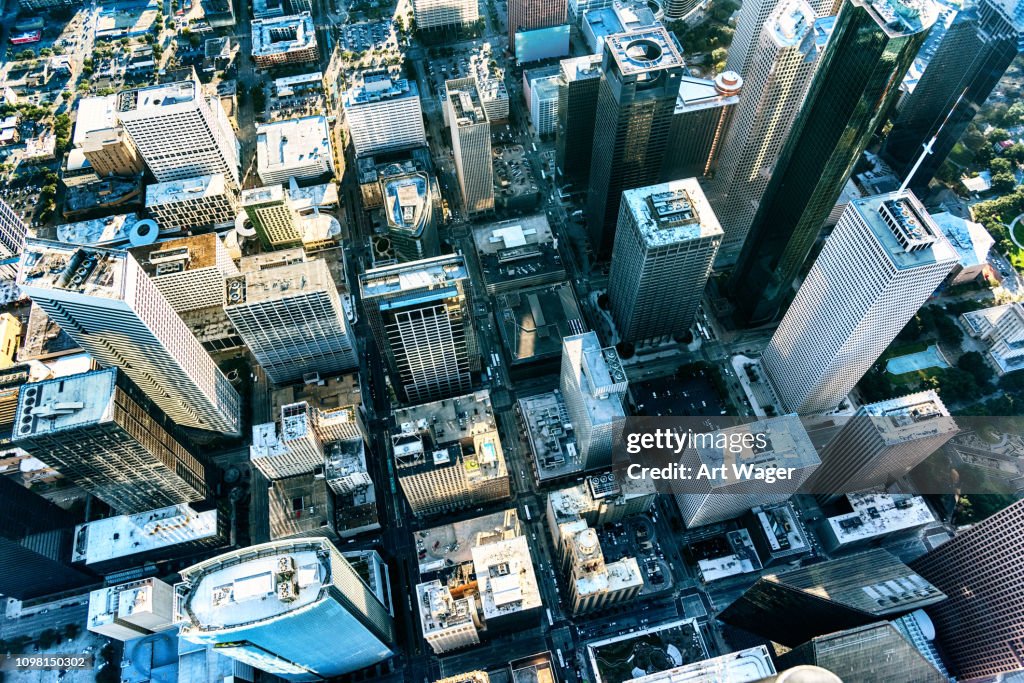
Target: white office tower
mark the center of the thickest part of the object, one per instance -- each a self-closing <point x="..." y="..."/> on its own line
<point x="105" y="301"/>
<point x="295" y="609"/>
<point x="593" y="384"/>
<point x="544" y="104"/>
<point x="448" y="623"/>
<point x="288" y="311"/>
<point x="178" y="133"/>
<point x="440" y="14"/>
<point x="774" y="86"/>
<point x="471" y="143"/>
<point x="665" y="244"/>
<point x="753" y="16"/>
<point x="884" y="259"/>
<point x="1001" y="329"/>
<point x="189" y="271"/>
<point x="12" y="231"/>
<point x="289" y="447"/>
<point x="383" y="114"/>
<point x="206" y="202"/>
<point x="720" y="494"/>
<point x="296" y="148"/>
<point x="881" y="443"/>
<point x="131" y="610"/>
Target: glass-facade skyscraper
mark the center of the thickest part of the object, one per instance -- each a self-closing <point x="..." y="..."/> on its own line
<point x="871" y="49"/>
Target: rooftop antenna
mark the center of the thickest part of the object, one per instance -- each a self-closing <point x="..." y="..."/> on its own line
<point x="927" y="147"/>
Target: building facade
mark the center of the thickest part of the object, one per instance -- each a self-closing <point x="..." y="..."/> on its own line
<point x="201" y="203"/>
<point x="383" y="114"/>
<point x="189" y="271"/>
<point x="471" y="144"/>
<point x="272" y="216"/>
<point x="593" y="383"/>
<point x="111" y="153"/>
<point x="578" y="85"/>
<point x="436" y="15"/>
<point x="703" y="114"/>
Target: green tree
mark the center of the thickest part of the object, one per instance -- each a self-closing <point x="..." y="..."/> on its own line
<point x="1003" y="182"/>
<point x="1000" y="165"/>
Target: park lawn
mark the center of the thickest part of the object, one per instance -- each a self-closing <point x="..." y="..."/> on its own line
<point x="904" y="349"/>
<point x="915" y="378"/>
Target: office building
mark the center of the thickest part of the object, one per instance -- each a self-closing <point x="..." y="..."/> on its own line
<point x="979" y="626"/>
<point x="875" y="516"/>
<point x="793" y="606"/>
<point x="448" y="455"/>
<point x="35" y="545"/>
<point x="882" y="262"/>
<point x="620" y="17"/>
<point x="717" y="499"/>
<point x="383" y="113"/>
<point x="882" y="442"/>
<point x="468" y="677"/>
<point x="704" y="112"/>
<point x="578" y="85"/>
<point x="752" y="665"/>
<point x="131" y="610"/>
<point x="202" y="203"/>
<point x="99" y="431"/>
<point x="437" y="15"/>
<point x="509" y="592"/>
<point x="104" y="300"/>
<point x="189" y="271"/>
<point x="866" y="654"/>
<point x="599" y="500"/>
<point x="593" y="383"/>
<point x="283" y="607"/>
<point x="534" y="320"/>
<point x="544" y="104"/>
<point x="525" y="15"/>
<point x="490" y="83"/>
<point x="277" y="41"/>
<point x="641" y="75"/>
<point x="448" y="622"/>
<point x="419" y="314"/>
<point x="1001" y="329"/>
<point x="517" y="253"/>
<point x="782" y="62"/>
<point x="972" y="243"/>
<point x="355" y="496"/>
<point x="12" y="231"/>
<point x="111" y="152"/>
<point x="777" y="533"/>
<point x="113" y="544"/>
<point x="471" y="144"/>
<point x="593" y="583"/>
<point x="294" y="148"/>
<point x="751" y="22"/>
<point x="178" y="133"/>
<point x="289" y="313"/>
<point x="290" y="446"/>
<point x="272" y="217"/>
<point x="612" y="658"/>
<point x="972" y="56"/>
<point x="871" y="48"/>
<point x="665" y="245"/>
<point x="301" y="506"/>
<point x="410" y="207"/>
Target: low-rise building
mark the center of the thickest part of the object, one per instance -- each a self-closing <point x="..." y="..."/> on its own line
<point x="971" y="241"/>
<point x="199" y="203"/>
<point x="284" y="40"/>
<point x="517" y="253"/>
<point x="1001" y="328"/>
<point x="448" y="623"/>
<point x="131" y="610"/>
<point x="876" y="515"/>
<point x="295" y="148"/>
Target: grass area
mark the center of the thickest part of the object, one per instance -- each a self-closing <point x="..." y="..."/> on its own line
<point x="915" y="378"/>
<point x="897" y="349"/>
<point x="961" y="156"/>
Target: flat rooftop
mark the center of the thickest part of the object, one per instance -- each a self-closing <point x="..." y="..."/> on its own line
<point x="911" y="417"/>
<point x="371" y="87"/>
<point x="94" y="113"/>
<point x="904" y="229"/>
<point x="101" y="232"/>
<point x="90" y="270"/>
<point x="877" y="514"/>
<point x="791" y="22"/>
<point x="506" y="577"/>
<point x="449" y="545"/>
<point x="126" y="535"/>
<point x="602" y="379"/>
<point x="450" y="419"/>
<point x="971" y="240"/>
<point x="781" y="529"/>
<point x="292" y="143"/>
<point x="580" y="68"/>
<point x="902" y="17"/>
<point x="413" y="277"/>
<point x="278" y="282"/>
<point x="744" y="666"/>
<point x="278" y="35"/>
<point x="299" y="506"/>
<point x="189" y="189"/>
<point x="696" y="94"/>
<point x="679" y="641"/>
<point x="533" y="321"/>
<point x="337" y="393"/>
<point x="494" y="238"/>
<point x="407" y="201"/>
<point x="551" y="436"/>
<point x="788" y="445"/>
<point x="672" y="213"/>
<point x="740" y="559"/>
<point x="264" y="195"/>
<point x="66" y="403"/>
<point x="648" y="49"/>
<point x="154" y="98"/>
<point x="465" y="100"/>
<point x="178" y="255"/>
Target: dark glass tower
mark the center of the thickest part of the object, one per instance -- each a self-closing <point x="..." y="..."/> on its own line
<point x="972" y="57"/>
<point x="578" y="83"/>
<point x="640" y="79"/>
<point x="871" y="49"/>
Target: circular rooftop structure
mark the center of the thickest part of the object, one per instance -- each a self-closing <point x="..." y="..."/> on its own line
<point x="728" y="83"/>
<point x="644" y="51"/>
<point x="807" y="674"/>
<point x="143" y="232"/>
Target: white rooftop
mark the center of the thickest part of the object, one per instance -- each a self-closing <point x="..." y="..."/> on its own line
<point x="175" y="191"/>
<point x="877" y="514"/>
<point x="506" y="578"/>
<point x="745" y="666"/>
<point x="672" y="212"/>
<point x="293" y="143"/>
<point x="66" y="403"/>
<point x="94" y="113"/>
<point x="911" y="417"/>
<point x="971" y="240"/>
<point x="283" y="34"/>
<point x="126" y="535"/>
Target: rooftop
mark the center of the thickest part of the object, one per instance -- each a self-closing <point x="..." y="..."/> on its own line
<point x="465" y="100"/>
<point x="66" y="403"/>
<point x="439" y="610"/>
<point x="672" y="212"/>
<point x="94" y="113"/>
<point x="332" y="396"/>
<point x="545" y="87"/>
<point x="174" y="191"/>
<point x="407" y="201"/>
<point x="292" y="143"/>
<point x="788" y="445"/>
<point x="902" y="17"/>
<point x="910" y="417"/>
<point x="291" y="276"/>
<point x="300" y="506"/>
<point x="506" y="578"/>
<point x="408" y="278"/>
<point x="877" y="514"/>
<point x="581" y="68"/>
<point x="533" y="321"/>
<point x="551" y="436"/>
<point x="279" y="35"/>
<point x="601" y="376"/>
<point x="263" y="195"/>
<point x="903" y="228"/>
<point x="679" y="642"/>
<point x="781" y="529"/>
<point x="378" y="86"/>
<point x="696" y="94"/>
<point x="108" y="231"/>
<point x="791" y="23"/>
<point x="125" y="535"/>
<point x="741" y="558"/>
<point x="153" y="98"/>
<point x="744" y="666"/>
<point x="449" y="545"/>
<point x="648" y="49"/>
<point x="971" y="240"/>
<point x="177" y="255"/>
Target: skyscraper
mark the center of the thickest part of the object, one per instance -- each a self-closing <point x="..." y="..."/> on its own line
<point x="980" y="625"/>
<point x="578" y="84"/>
<point x="272" y="217"/>
<point x="420" y="315"/>
<point x="178" y="133"/>
<point x="524" y="15"/>
<point x="884" y="259"/>
<point x="971" y="58"/>
<point x="782" y="62"/>
<point x="383" y="114"/>
<point x="411" y="206"/>
<point x="881" y="443"/>
<point x="288" y="311"/>
<point x="202" y="203"/>
<point x="665" y="244"/>
<point x="641" y="72"/>
<point x="103" y="299"/>
<point x="98" y="430"/>
<point x="871" y="49"/>
<point x="12" y="231"/>
<point x="295" y="609"/>
<point x="753" y="17"/>
<point x="471" y="144"/>
<point x="704" y="111"/>
<point x="436" y="15"/>
<point x="593" y="383"/>
<point x="188" y="271"/>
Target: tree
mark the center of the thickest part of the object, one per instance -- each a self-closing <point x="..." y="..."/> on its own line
<point x="71" y="630"/>
<point x="1003" y="182"/>
<point x="974" y="363"/>
<point x="1000" y="165"/>
<point x="47" y="638"/>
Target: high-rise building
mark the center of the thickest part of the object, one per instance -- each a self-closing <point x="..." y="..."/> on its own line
<point x="793" y="606"/>
<point x="980" y="625"/>
<point x="12" y="231"/>
<point x="524" y="15"/>
<point x="284" y="607"/>
<point x="296" y="148"/>
<point x="665" y="244"/>
<point x="871" y="48"/>
<point x="410" y="208"/>
<point x="419" y="313"/>
<point x="641" y="74"/>
<point x="593" y="383"/>
<point x="205" y="202"/>
<point x="383" y="113"/>
<point x="178" y="133"/>
<point x="448" y="622"/>
<point x="111" y="153"/>
<point x="99" y="431"/>
<point x="774" y="84"/>
<point x="103" y="299"/>
<point x="578" y="85"/>
<point x="35" y="545"/>
<point x="881" y="443"/>
<point x="704" y="112"/>
<point x="436" y="15"/>
<point x="288" y="311"/>
<point x="973" y="55"/>
<point x="882" y="262"/>
<point x="679" y="9"/>
<point x="131" y="610"/>
<point x="289" y="447"/>
<point x="750" y="24"/>
<point x="707" y="500"/>
<point x="544" y="104"/>
<point x="471" y="144"/>
<point x="188" y="271"/>
<point x="272" y="216"/>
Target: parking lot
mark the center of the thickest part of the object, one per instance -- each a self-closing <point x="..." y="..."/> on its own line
<point x="636" y="537"/>
<point x="679" y="396"/>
